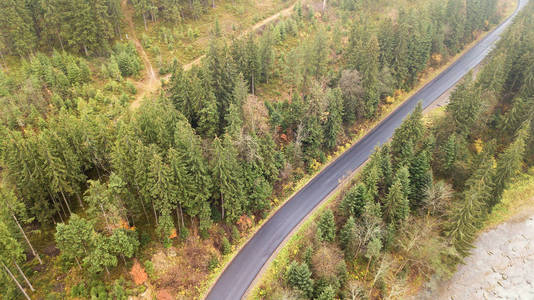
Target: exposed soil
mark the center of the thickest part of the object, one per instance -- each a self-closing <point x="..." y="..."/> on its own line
<point x="151" y="82"/>
<point x="499" y="267"/>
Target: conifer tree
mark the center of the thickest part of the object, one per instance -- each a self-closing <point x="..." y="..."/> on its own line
<point x="407" y="137"/>
<point x="354" y="201"/>
<point x="333" y="125"/>
<point x="12" y="206"/>
<point x="74" y="238"/>
<point x="465" y="106"/>
<point x="11" y="252"/>
<point x="466" y="218"/>
<point x="397" y="206"/>
<point x="299" y="277"/>
<point x="197" y="181"/>
<point x="510" y="163"/>
<point x="222" y="71"/>
<point x="162" y="191"/>
<point x="348" y="238"/>
<point x="101" y="255"/>
<point x="327" y="225"/>
<point x="124" y="243"/>
<point x="17" y="33"/>
<point x="420" y="178"/>
<point x="227" y="179"/>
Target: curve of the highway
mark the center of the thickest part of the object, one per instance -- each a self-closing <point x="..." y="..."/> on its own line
<point x="243" y="269"/>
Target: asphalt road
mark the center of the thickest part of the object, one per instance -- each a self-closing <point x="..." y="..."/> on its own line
<point x="240" y="273"/>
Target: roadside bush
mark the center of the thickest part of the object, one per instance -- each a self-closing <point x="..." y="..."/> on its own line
<point x="226" y="247"/>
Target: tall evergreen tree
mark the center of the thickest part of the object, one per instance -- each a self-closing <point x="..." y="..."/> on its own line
<point x="510" y="163"/>
<point x="227" y="180"/>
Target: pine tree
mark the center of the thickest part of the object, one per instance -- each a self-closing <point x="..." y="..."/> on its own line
<point x="370" y="73"/>
<point x="327" y="225"/>
<point x="352" y="91"/>
<point x="407" y="137"/>
<point x="465" y="106"/>
<point x="253" y="63"/>
<point x="354" y="201"/>
<point x="102" y="204"/>
<point x="74" y="238"/>
<point x="333" y="125"/>
<point x="510" y="163"/>
<point x="420" y="178"/>
<point x="101" y="255"/>
<point x="372" y="174"/>
<point x="124" y="243"/>
<point x="386" y="168"/>
<point x="328" y="293"/>
<point x="197" y="181"/>
<point x="181" y="94"/>
<point x="13" y="207"/>
<point x="397" y="206"/>
<point x="299" y="277"/>
<point x="11" y="252"/>
<point x="227" y="179"/>
<point x="466" y="218"/>
<point x="348" y="238"/>
<point x="162" y="191"/>
<point x="208" y="118"/>
<point x="403" y="176"/>
<point x="17" y="33"/>
<point x="222" y="73"/>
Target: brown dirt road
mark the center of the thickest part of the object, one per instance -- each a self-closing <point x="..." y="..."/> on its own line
<point x="150" y="82"/>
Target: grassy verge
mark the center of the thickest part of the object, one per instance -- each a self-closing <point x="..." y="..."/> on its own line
<point x="517" y="201"/>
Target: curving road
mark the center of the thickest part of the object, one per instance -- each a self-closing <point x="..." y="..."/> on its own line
<point x="240" y="273"/>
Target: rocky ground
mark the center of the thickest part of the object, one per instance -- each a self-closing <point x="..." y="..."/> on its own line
<point x="501" y="266"/>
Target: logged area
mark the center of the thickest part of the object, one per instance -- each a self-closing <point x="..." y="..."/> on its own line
<point x="143" y="143"/>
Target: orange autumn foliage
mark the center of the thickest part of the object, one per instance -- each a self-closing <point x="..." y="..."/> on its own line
<point x="138" y="273"/>
<point x="124" y="225"/>
<point x="244" y="223"/>
<point x="173" y="234"/>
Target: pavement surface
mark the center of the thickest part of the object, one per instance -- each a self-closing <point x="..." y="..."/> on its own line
<point x="247" y="264"/>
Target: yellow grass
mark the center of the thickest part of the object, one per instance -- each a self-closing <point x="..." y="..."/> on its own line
<point x="517" y="201"/>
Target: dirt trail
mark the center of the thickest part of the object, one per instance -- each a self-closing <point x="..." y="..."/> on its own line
<point x="152" y="82"/>
<point x="285" y="12"/>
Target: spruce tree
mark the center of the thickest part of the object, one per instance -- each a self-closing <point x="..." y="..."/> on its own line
<point x="299" y="277"/>
<point x="333" y="126"/>
<point x="510" y="163"/>
<point x="348" y="238"/>
<point x="420" y="178"/>
<point x="354" y="201"/>
<point x="397" y="206"/>
<point x="74" y="238"/>
<point x="227" y="179"/>
<point x="197" y="181"/>
<point x="466" y="218"/>
<point x="327" y="225"/>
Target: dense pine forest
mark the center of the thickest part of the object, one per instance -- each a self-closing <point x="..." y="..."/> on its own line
<point x="92" y="190"/>
<point x="415" y="209"/>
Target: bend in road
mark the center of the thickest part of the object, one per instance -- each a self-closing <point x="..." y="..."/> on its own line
<point x="243" y="269"/>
